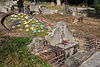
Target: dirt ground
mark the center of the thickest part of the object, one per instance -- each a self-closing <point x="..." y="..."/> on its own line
<point x="89" y="26"/>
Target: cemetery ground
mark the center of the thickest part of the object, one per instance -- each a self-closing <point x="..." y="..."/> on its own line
<point x="88" y="27"/>
<point x="13" y="47"/>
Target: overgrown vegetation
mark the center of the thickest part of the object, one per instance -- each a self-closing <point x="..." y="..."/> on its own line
<point x="15" y="53"/>
<point x="97" y="6"/>
<point x="38" y="0"/>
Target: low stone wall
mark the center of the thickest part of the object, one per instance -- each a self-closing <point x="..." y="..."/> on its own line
<point x="77" y="59"/>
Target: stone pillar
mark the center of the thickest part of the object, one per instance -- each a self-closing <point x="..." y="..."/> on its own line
<point x="58" y="2"/>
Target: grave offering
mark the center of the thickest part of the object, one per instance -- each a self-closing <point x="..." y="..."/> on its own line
<point x="25" y="23"/>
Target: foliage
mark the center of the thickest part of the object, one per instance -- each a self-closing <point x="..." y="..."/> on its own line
<point x="16" y="54"/>
<point x="97" y="6"/>
<point x="38" y="0"/>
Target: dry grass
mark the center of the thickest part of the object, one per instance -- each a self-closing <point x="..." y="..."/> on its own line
<point x="89" y="26"/>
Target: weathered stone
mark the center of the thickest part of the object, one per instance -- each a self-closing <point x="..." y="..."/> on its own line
<point x="34" y="9"/>
<point x="70" y="48"/>
<point x="47" y="11"/>
<point x="37" y="45"/>
<point x="79" y="11"/>
<point x="60" y="33"/>
<point x="52" y="3"/>
<point x="93" y="61"/>
<point x="3" y="9"/>
<point x="6" y="6"/>
<point x="58" y="2"/>
<point x="77" y="59"/>
<point x="9" y="3"/>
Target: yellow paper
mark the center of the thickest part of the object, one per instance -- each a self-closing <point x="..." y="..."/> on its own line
<point x="25" y="22"/>
<point x="18" y="18"/>
<point x="23" y="19"/>
<point x="26" y="17"/>
<point x="26" y="25"/>
<point x="18" y="25"/>
<point x="30" y="20"/>
<point x="32" y="27"/>
<point x="27" y="29"/>
<point x="42" y="31"/>
<point x="13" y="26"/>
<point x="21" y="29"/>
<point x="36" y="21"/>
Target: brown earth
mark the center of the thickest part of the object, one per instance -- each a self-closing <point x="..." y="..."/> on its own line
<point x="89" y="26"/>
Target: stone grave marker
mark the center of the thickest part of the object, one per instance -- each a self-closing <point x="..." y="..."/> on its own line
<point x="37" y="45"/>
<point x="60" y="33"/>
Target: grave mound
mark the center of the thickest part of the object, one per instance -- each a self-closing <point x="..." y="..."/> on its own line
<point x="24" y="23"/>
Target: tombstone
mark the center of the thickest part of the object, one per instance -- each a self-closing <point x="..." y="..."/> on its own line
<point x="10" y="3"/>
<point x="34" y="9"/>
<point x="37" y="45"/>
<point x="52" y="3"/>
<point x="75" y="21"/>
<point x="47" y="11"/>
<point x="60" y="33"/>
<point x="3" y="9"/>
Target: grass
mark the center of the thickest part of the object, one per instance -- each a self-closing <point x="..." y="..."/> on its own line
<point x="16" y="54"/>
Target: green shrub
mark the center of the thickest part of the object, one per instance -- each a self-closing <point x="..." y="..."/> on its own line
<point x="97" y="6"/>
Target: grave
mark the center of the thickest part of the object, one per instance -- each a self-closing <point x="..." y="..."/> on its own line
<point x="80" y="11"/>
<point x="61" y="45"/>
<point x="24" y="23"/>
<point x="62" y="37"/>
<point x="58" y="43"/>
<point x="3" y="9"/>
<point x="60" y="33"/>
<point x="37" y="45"/>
